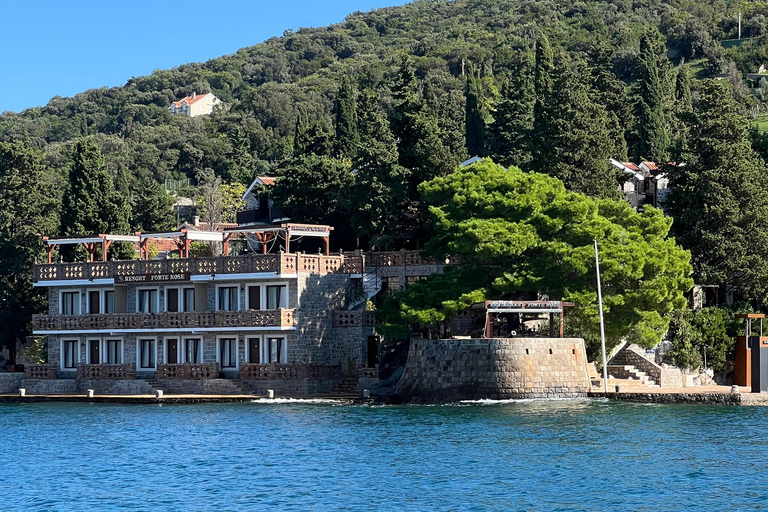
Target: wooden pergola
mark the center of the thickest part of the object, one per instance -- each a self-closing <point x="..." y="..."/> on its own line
<point x="522" y="307"/>
<point x="91" y="243"/>
<point x="183" y="238"/>
<point x="266" y="234"/>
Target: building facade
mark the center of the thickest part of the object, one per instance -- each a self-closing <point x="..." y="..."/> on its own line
<point x="195" y="105"/>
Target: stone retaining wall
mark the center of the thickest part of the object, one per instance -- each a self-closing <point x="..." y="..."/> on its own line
<point x="470" y="369"/>
<point x="10" y="382"/>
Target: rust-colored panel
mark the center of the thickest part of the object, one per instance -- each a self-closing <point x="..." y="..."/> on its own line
<point x="742" y="371"/>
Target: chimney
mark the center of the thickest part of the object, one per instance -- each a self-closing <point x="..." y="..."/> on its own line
<point x="195" y="221"/>
<point x="194" y="94"/>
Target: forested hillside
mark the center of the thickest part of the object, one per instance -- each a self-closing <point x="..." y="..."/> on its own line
<point x="353" y="117"/>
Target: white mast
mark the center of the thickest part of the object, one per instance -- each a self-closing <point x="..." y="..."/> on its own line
<point x="602" y="322"/>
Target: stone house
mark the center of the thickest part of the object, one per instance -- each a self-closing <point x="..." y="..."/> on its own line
<point x="195" y="105"/>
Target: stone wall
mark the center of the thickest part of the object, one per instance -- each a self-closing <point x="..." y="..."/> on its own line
<point x="10" y="382"/>
<point x="470" y="369"/>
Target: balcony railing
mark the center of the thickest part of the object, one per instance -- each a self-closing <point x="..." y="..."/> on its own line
<point x="106" y="371"/>
<point x="40" y="371"/>
<point x="277" y="371"/>
<point x="355" y="318"/>
<point x="192" y="319"/>
<point x="280" y="263"/>
<point x="188" y="371"/>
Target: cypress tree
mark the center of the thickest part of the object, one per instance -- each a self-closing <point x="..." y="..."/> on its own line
<point x="653" y="129"/>
<point x="152" y="211"/>
<point x="542" y="88"/>
<point x="91" y="204"/>
<point x="718" y="199"/>
<point x="346" y="119"/>
<point x="511" y="130"/>
<point x="475" y="124"/>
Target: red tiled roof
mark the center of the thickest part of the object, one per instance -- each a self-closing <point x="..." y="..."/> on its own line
<point x="189" y="99"/>
<point x="267" y="180"/>
<point x="651" y="166"/>
<point x="630" y="165"/>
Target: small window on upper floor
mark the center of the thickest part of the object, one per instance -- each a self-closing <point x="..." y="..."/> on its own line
<point x="70" y="303"/>
<point x="277" y="296"/>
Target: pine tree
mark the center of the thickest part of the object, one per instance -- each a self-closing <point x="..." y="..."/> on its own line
<point x="719" y="198"/>
<point x="346" y="119"/>
<point x="475" y="123"/>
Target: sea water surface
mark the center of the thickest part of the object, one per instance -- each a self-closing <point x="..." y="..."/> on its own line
<point x="526" y="455"/>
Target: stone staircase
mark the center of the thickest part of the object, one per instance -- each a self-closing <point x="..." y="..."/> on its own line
<point x="346" y="389"/>
<point x="624" y="371"/>
<point x="631" y="373"/>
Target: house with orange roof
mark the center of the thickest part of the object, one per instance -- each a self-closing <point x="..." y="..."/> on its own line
<point x="647" y="184"/>
<point x="260" y="208"/>
<point x="195" y="105"/>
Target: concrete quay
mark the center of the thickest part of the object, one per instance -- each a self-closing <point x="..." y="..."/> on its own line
<point x="712" y="395"/>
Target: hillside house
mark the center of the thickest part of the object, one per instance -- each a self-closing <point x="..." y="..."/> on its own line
<point x="195" y="105"/>
<point x="646" y="184"/>
<point x="260" y="208"/>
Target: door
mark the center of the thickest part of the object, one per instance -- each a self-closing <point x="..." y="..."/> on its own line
<point x="254" y="350"/>
<point x="373" y="351"/>
<point x="94" y="355"/>
<point x="172" y="351"/>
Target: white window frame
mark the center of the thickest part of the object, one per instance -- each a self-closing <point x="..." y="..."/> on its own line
<point x="105" y="349"/>
<point x="248" y="348"/>
<point x="237" y="352"/>
<point x="140" y="368"/>
<point x="79" y="302"/>
<point x="275" y="283"/>
<point x="102" y="299"/>
<point x="182" y="298"/>
<point x="157" y="297"/>
<point x="183" y="348"/>
<point x="266" y="351"/>
<point x="61" y="354"/>
<point x="236" y="286"/>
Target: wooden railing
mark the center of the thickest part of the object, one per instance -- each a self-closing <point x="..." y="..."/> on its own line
<point x="191" y="319"/>
<point x="195" y="371"/>
<point x="277" y="371"/>
<point x="40" y="371"/>
<point x="280" y="263"/>
<point x="106" y="371"/>
<point x="358" y="318"/>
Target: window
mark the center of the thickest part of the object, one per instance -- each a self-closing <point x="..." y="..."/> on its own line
<point x="254" y="350"/>
<point x="277" y="296"/>
<point x="390" y="285"/>
<point x="147" y="353"/>
<point x="228" y="299"/>
<point x="193" y="350"/>
<point x="276" y="350"/>
<point x="412" y="279"/>
<point x="70" y="303"/>
<point x="114" y="349"/>
<point x="180" y="299"/>
<point x="189" y="299"/>
<point x="94" y="302"/>
<point x="254" y="297"/>
<point x="228" y="352"/>
<point x="69" y="354"/>
<point x="147" y="301"/>
<point x="109" y="301"/>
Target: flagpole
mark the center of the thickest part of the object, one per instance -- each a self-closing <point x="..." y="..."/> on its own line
<point x="602" y="322"/>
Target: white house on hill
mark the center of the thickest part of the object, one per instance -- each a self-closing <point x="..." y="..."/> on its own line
<point x="646" y="184"/>
<point x="195" y="105"/>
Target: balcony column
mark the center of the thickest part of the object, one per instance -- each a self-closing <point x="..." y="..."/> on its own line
<point x="105" y="244"/>
<point x="327" y="245"/>
<point x="287" y="242"/>
<point x="91" y="248"/>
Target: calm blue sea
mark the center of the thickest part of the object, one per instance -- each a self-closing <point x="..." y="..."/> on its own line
<point x="529" y="455"/>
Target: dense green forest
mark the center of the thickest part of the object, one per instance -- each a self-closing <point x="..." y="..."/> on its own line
<point x="353" y="117"/>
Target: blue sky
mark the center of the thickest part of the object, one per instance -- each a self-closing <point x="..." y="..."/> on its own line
<point x="50" y="48"/>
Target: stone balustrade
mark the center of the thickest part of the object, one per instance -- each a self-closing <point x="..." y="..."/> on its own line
<point x="277" y="371"/>
<point x="189" y="319"/>
<point x="194" y="371"/>
<point x="279" y="264"/>
<point x="106" y="371"/>
<point x="40" y="371"/>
